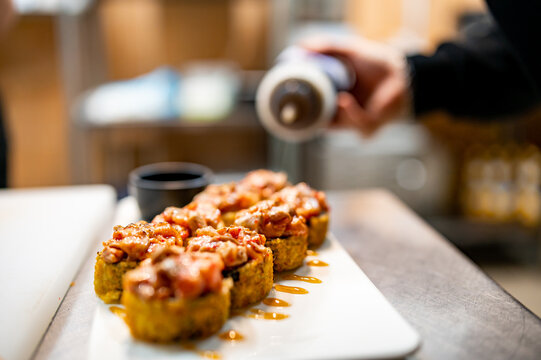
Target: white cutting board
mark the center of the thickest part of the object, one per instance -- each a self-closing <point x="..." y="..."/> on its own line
<point x="44" y="236"/>
<point x="344" y="317"/>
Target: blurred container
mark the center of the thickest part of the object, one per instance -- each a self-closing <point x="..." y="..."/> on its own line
<point x="501" y="184"/>
<point x="209" y="91"/>
<point x="296" y="99"/>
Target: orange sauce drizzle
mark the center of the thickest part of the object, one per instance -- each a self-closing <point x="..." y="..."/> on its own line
<point x="308" y="279"/>
<point x="316" y="263"/>
<point x="118" y="311"/>
<point x="260" y="314"/>
<point x="208" y="354"/>
<point x="290" y="289"/>
<point x="231" y="335"/>
<point x="311" y="253"/>
<point x="275" y="302"/>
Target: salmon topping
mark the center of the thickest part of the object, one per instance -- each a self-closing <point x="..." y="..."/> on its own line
<point x="174" y="273"/>
<point x="139" y="240"/>
<point x="306" y="201"/>
<point x="228" y="197"/>
<point x="264" y="182"/>
<point x="236" y="245"/>
<point x="191" y="217"/>
<point x="273" y="219"/>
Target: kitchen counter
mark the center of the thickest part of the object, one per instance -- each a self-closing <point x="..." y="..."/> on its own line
<point x="459" y="312"/>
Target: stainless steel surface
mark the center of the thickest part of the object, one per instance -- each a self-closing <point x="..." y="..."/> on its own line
<point x="459" y="312"/>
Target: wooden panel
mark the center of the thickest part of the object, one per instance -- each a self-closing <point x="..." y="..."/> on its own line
<point x="34" y="104"/>
<point x="444" y="16"/>
<point x="133" y="34"/>
<point x="117" y="151"/>
<point x="141" y="35"/>
<point x="377" y="20"/>
<point x="380" y="20"/>
<point x="195" y="30"/>
<point x="249" y="25"/>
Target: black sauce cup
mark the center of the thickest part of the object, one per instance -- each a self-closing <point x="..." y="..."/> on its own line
<point x="157" y="186"/>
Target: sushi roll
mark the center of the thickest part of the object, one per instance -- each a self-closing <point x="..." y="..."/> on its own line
<point x="246" y="259"/>
<point x="312" y="206"/>
<point x="264" y="182"/>
<point x="285" y="231"/>
<point x="128" y="246"/>
<point x="228" y="198"/>
<point x="176" y="295"/>
<point x="192" y="216"/>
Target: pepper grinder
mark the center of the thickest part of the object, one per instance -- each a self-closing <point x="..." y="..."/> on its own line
<point x="296" y="99"/>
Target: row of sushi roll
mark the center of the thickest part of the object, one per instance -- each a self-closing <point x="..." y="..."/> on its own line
<point x="179" y="276"/>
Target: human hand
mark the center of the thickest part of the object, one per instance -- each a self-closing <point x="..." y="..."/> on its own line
<point x="381" y="89"/>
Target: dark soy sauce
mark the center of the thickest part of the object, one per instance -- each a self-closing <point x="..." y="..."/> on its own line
<point x="172" y="176"/>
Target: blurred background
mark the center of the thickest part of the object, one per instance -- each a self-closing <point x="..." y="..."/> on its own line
<point x="92" y="89"/>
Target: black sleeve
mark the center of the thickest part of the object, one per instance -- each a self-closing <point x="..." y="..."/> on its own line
<point x="492" y="75"/>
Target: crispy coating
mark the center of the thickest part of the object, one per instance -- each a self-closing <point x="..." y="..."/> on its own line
<point x="108" y="278"/>
<point x="273" y="219"/>
<point x="252" y="281"/>
<point x="166" y="320"/>
<point x="264" y="182"/>
<point x="317" y="230"/>
<point x="288" y="253"/>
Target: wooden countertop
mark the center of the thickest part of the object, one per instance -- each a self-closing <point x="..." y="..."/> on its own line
<point x="459" y="312"/>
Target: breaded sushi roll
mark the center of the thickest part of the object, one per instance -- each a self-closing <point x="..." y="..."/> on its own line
<point x="176" y="295"/>
<point x="264" y="182"/>
<point x="246" y="259"/>
<point x="311" y="205"/>
<point x="286" y="232"/>
<point x="228" y="198"/>
<point x="128" y="246"/>
<point x="192" y="216"/>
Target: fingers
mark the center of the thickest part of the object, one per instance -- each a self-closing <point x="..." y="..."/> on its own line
<point x="328" y="46"/>
<point x="352" y="115"/>
<point x="389" y="100"/>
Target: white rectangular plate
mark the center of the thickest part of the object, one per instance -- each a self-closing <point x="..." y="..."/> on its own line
<point x="45" y="233"/>
<point x="344" y="317"/>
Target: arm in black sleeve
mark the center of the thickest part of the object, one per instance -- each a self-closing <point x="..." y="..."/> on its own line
<point x="483" y="77"/>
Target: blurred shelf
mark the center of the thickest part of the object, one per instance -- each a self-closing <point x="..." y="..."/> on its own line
<point x="243" y="116"/>
<point x="106" y="153"/>
<point x="490" y="242"/>
<point x="467" y="232"/>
